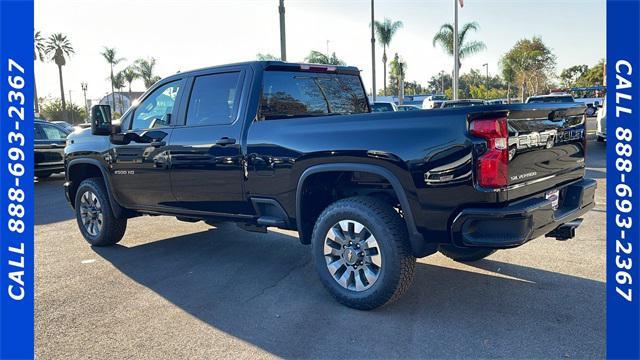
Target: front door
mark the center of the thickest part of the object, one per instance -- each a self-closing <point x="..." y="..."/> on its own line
<point x="206" y="154"/>
<point x="140" y="168"/>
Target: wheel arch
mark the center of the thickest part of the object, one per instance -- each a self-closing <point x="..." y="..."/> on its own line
<point x="80" y="169"/>
<point x="416" y="239"/>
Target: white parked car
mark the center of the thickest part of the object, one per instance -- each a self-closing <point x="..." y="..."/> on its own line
<point x="433" y="101"/>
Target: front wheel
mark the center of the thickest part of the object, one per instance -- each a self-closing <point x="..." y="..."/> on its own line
<point x="361" y="252"/>
<point x="465" y="254"/>
<point x="94" y="215"/>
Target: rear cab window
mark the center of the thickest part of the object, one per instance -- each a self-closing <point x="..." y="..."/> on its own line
<point x="214" y="99"/>
<point x="292" y="94"/>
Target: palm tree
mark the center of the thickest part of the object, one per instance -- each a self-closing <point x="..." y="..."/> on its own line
<point x="316" y="57"/>
<point x="444" y="37"/>
<point x="110" y="55"/>
<point x="39" y="53"/>
<point x="385" y="31"/>
<point x="129" y="74"/>
<point x="144" y="68"/>
<point x="58" y="47"/>
<point x="118" y="83"/>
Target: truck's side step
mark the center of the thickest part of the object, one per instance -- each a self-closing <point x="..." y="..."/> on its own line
<point x="271" y="221"/>
<point x="270" y="212"/>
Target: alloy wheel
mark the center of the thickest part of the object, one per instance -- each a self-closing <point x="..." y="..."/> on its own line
<point x="352" y="255"/>
<point x="91" y="213"/>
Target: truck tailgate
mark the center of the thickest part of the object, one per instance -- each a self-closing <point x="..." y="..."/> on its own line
<point x="547" y="146"/>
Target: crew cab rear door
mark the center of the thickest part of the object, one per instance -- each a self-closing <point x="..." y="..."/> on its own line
<point x="206" y="154"/>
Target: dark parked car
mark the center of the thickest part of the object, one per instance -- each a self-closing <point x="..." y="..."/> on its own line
<point x="49" y="143"/>
<point x="65" y="125"/>
<point x="408" y="108"/>
<point x="382" y="106"/>
<point x="294" y="146"/>
<point x="551" y="98"/>
<point x="462" y="103"/>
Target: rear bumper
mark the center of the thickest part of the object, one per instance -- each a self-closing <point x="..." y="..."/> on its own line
<point x="524" y="220"/>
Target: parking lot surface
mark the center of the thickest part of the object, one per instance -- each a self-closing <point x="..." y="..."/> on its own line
<point x="179" y="290"/>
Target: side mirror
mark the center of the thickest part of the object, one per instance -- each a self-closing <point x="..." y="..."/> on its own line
<point x="101" y="120"/>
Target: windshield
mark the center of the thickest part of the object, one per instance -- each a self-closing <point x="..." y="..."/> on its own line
<point x="287" y="94"/>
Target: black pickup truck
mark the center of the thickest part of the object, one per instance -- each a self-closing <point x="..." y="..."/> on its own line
<point x="294" y="146"/>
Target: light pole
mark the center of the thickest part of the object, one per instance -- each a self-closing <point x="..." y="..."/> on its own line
<point x="283" y="36"/>
<point x="456" y="56"/>
<point x="373" y="56"/>
<point x="84" y="87"/>
<point x="71" y="107"/>
<point x="486" y="65"/>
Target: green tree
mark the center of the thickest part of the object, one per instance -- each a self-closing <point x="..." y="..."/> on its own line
<point x="592" y="76"/>
<point x="439" y="82"/>
<point x="413" y="88"/>
<point x="266" y="57"/>
<point x="39" y="53"/>
<point x="316" y="57"/>
<point x="444" y="38"/>
<point x="130" y="75"/>
<point x="533" y="63"/>
<point x="58" y="47"/>
<point x="508" y="74"/>
<point x="483" y="92"/>
<point x="54" y="111"/>
<point x="570" y="75"/>
<point x="385" y="31"/>
<point x="118" y="84"/>
<point x="145" y="68"/>
<point x="110" y="55"/>
<point x="396" y="74"/>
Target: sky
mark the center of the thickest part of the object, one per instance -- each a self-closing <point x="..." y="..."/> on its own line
<point x="189" y="34"/>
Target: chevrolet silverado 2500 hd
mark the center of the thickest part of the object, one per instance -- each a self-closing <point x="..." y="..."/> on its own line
<point x="294" y="146"/>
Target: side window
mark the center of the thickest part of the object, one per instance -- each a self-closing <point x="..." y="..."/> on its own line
<point x="156" y="110"/>
<point x="38" y="133"/>
<point x="214" y="99"/>
<point x="300" y="94"/>
<point x="52" y="133"/>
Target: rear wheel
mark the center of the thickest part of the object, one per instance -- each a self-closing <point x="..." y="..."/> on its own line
<point x="465" y="254"/>
<point x="600" y="138"/>
<point x="361" y="252"/>
<point x="94" y="215"/>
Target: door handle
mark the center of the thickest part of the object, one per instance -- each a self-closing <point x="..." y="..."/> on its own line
<point x="225" y="141"/>
<point x="157" y="143"/>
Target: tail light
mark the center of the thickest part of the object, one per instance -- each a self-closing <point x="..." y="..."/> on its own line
<point x="491" y="166"/>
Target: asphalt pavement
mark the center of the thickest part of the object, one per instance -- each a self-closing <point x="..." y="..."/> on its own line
<point x="179" y="290"/>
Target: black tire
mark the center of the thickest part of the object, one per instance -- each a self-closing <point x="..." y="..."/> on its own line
<point x="385" y="224"/>
<point x="43" y="175"/>
<point x="465" y="254"/>
<point x="600" y="138"/>
<point x="112" y="229"/>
